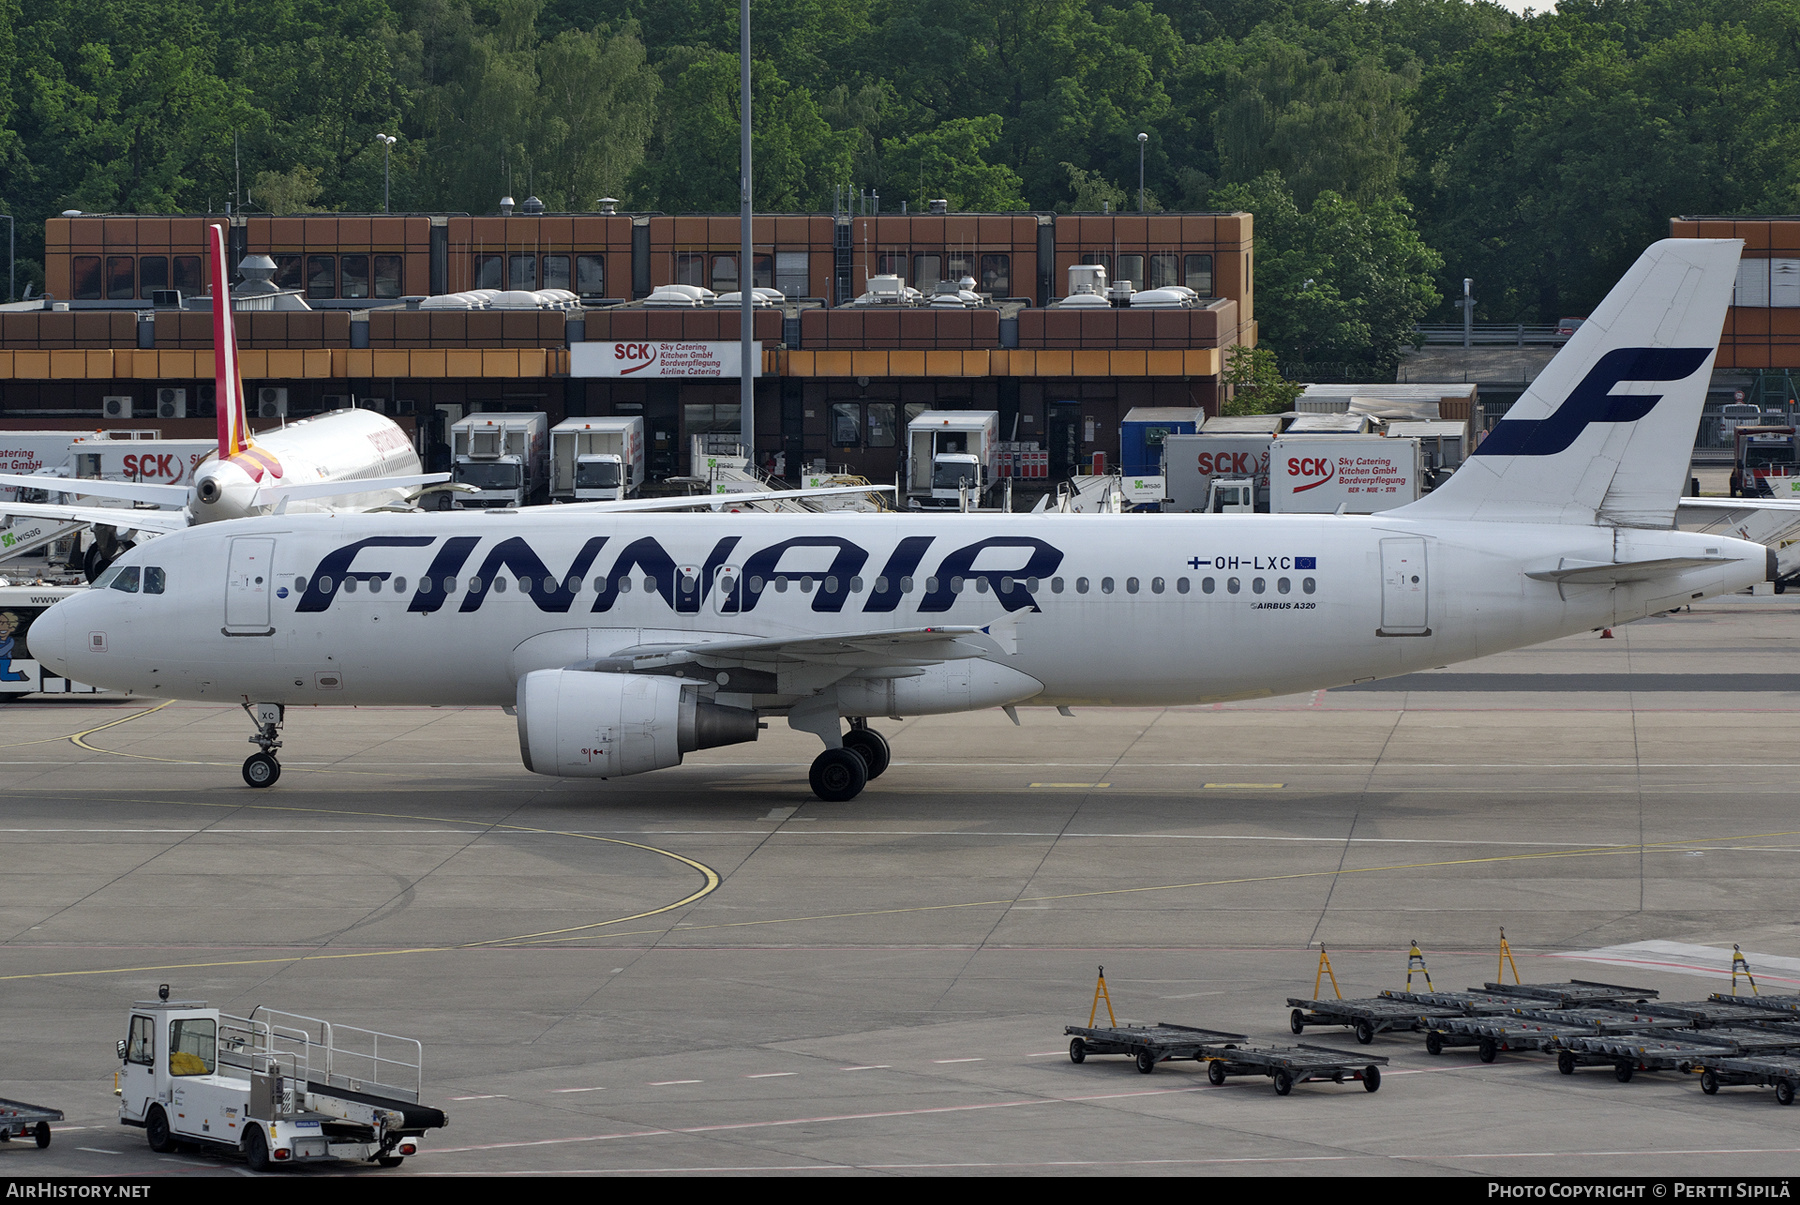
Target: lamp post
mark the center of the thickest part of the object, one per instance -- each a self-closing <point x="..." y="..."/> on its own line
<point x="387" y="142"/>
<point x="746" y="275"/>
<point x="1142" y="139"/>
<point x="11" y="262"/>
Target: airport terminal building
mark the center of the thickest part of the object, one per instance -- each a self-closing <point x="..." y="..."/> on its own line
<point x="880" y="317"/>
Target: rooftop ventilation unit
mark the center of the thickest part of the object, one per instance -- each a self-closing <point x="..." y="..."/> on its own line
<point x="608" y="204"/>
<point x="889" y="290"/>
<point x="116" y="407"/>
<point x="171" y="403"/>
<point x="532" y="206"/>
<point x="940" y="205"/>
<point x="506" y="206"/>
<point x="271" y="402"/>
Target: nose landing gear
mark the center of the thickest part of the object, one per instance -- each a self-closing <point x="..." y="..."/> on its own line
<point x="261" y="769"/>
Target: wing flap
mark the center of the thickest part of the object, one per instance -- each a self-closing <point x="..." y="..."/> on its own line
<point x="1578" y="573"/>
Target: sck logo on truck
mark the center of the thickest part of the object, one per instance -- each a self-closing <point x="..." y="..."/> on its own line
<point x="1233" y="464"/>
<point x="165" y="465"/>
<point x="1321" y="467"/>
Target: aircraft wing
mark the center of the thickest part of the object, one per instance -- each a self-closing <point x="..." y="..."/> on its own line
<point x="718" y="501"/>
<point x="280" y="494"/>
<point x="128" y="491"/>
<point x="882" y="649"/>
<point x="155" y="522"/>
<point x="1592" y="572"/>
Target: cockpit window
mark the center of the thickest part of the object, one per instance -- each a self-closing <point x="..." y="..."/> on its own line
<point x="106" y="577"/>
<point x="153" y="580"/>
<point x="127" y="581"/>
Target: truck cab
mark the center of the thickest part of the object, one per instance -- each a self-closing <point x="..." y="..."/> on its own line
<point x="951" y="474"/>
<point x="276" y="1088"/>
<point x="600" y="478"/>
<point x="1232" y="496"/>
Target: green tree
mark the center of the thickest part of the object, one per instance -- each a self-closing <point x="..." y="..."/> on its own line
<point x="1256" y="383"/>
<point x="1339" y="284"/>
<point x="946" y="162"/>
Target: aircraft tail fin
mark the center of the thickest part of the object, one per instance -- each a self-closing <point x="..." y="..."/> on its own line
<point x="1605" y="433"/>
<point x="228" y="404"/>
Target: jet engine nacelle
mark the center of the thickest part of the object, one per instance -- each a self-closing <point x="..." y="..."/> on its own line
<point x="577" y="724"/>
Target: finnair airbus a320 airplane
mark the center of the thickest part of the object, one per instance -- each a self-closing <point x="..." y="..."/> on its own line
<point x="627" y="640"/>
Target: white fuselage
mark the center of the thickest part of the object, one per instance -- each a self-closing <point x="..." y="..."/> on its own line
<point x="343" y="445"/>
<point x="261" y="609"/>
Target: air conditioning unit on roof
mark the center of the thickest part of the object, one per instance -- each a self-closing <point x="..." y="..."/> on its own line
<point x="271" y="402"/>
<point x="171" y="403"/>
<point x="116" y="406"/>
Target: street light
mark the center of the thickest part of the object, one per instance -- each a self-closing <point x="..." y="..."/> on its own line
<point x="1142" y="139"/>
<point x="10" y="260"/>
<point x="387" y="142"/>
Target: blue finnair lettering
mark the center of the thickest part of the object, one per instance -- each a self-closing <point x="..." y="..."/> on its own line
<point x="644" y="562"/>
<point x="1593" y="401"/>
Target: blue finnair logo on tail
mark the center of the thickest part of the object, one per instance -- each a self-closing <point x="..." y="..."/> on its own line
<point x="1593" y="401"/>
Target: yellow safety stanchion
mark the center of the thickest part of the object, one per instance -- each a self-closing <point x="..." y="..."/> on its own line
<point x="1324" y="972"/>
<point x="1740" y="965"/>
<point x="1505" y="959"/>
<point x="1415" y="961"/>
<point x="1100" y="993"/>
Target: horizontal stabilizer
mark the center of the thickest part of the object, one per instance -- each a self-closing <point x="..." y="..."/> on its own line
<point x="127" y="491"/>
<point x="158" y="521"/>
<point x="278" y="493"/>
<point x="1582" y="573"/>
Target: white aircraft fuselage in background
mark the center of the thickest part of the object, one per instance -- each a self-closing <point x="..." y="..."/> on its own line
<point x="626" y="640"/>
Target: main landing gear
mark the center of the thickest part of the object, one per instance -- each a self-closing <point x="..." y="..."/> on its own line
<point x="261" y="769"/>
<point x="839" y="775"/>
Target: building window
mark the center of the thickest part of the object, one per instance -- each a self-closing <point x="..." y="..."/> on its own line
<point x="118" y="278"/>
<point x="521" y="272"/>
<point x="556" y="271"/>
<point x="690" y="268"/>
<point x="321" y="276"/>
<point x="387" y="276"/>
<point x="891" y="263"/>
<point x="881" y="425"/>
<point x="846" y="423"/>
<point x="792" y="270"/>
<point x="1101" y="258"/>
<point x="996" y="275"/>
<point x="927" y="271"/>
<point x="1164" y="271"/>
<point x="590" y="275"/>
<point x="724" y="274"/>
<point x="287" y="272"/>
<point x="84" y="278"/>
<point x="188" y="276"/>
<point x="1199" y="274"/>
<point x="1131" y="267"/>
<point x="356" y="276"/>
<point x="153" y="274"/>
<point x="489" y="272"/>
<point x="959" y="265"/>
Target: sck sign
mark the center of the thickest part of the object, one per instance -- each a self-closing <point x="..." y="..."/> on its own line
<point x="670" y="358"/>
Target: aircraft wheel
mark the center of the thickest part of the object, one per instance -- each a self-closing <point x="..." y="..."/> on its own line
<point x="873" y="747"/>
<point x="156" y="1131"/>
<point x="261" y="770"/>
<point x="839" y="775"/>
<point x="1215" y="1073"/>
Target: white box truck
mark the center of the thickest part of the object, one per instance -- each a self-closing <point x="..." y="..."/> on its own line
<point x="1363" y="474"/>
<point x="502" y="456"/>
<point x="947" y="451"/>
<point x="597" y="459"/>
<point x="1234" y="447"/>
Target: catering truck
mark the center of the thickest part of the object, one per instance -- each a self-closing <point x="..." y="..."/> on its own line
<point x="501" y="456"/>
<point x="1234" y="448"/>
<point x="948" y="452"/>
<point x="276" y="1088"/>
<point x="1357" y="474"/>
<point x="596" y="459"/>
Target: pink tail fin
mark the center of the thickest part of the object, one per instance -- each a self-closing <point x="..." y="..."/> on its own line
<point x="234" y="431"/>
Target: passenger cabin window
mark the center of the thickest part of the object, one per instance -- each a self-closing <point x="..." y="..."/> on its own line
<point x="193" y="1046"/>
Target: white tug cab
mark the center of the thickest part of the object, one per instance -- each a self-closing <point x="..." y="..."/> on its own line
<point x="276" y="1088"/>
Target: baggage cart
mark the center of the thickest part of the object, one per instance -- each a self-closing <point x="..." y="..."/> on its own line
<point x="1286" y="1066"/>
<point x="1627" y="1054"/>
<point x="1467" y="1004"/>
<point x="1773" y="1004"/>
<point x="1574" y="993"/>
<point x="1148" y="1045"/>
<point x="1707" y="1014"/>
<point x="20" y="1120"/>
<point x="1365" y="1017"/>
<point x="1781" y="1072"/>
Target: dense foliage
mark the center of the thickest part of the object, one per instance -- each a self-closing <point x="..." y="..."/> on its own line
<point x="1389" y="148"/>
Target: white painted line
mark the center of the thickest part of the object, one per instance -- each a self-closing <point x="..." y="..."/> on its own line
<point x="578" y="1089"/>
<point x="96" y="1150"/>
<point x="664" y="1083"/>
<point x="772" y="1075"/>
<point x="959" y="1060"/>
<point x="1687" y="958"/>
<point x="1044" y="1054"/>
<point x="780" y="813"/>
<point x="495" y="1096"/>
<point x="870" y="1067"/>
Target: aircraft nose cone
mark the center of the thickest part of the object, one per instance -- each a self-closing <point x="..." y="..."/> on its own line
<point x="49" y="639"/>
